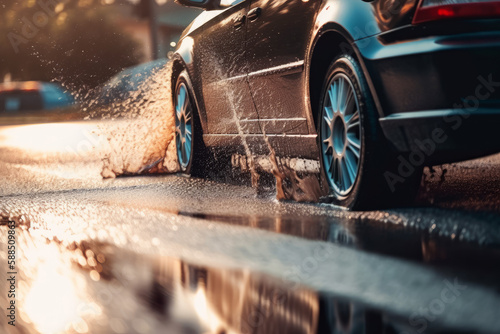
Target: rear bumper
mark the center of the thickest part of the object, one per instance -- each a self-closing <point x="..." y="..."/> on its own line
<point x="434" y="73"/>
<point x="445" y="135"/>
<point x="439" y="90"/>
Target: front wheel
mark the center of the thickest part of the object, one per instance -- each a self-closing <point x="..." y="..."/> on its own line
<point x="192" y="154"/>
<point x="355" y="155"/>
<point x="183" y="127"/>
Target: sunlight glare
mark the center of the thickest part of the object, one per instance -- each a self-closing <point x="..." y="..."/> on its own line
<point x="52" y="301"/>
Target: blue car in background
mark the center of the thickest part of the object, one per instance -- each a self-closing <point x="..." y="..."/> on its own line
<point x="16" y="97"/>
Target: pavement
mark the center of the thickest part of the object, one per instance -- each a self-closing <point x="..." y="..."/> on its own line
<point x="156" y="252"/>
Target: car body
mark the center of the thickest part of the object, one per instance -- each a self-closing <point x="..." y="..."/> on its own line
<point x="256" y="69"/>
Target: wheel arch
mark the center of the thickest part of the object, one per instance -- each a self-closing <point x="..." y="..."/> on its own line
<point x="179" y="66"/>
<point x="331" y="41"/>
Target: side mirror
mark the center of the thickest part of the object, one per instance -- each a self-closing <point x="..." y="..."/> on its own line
<point x="205" y="4"/>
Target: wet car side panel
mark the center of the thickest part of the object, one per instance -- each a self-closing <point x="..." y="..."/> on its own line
<point x="277" y="44"/>
<point x="219" y="60"/>
<point x="295" y="81"/>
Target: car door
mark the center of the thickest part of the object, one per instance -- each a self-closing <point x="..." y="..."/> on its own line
<point x="278" y="32"/>
<point x="222" y="63"/>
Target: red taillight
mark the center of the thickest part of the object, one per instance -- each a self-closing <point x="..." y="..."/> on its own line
<point x="432" y="10"/>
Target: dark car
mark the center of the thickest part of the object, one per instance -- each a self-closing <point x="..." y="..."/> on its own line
<point x="375" y="89"/>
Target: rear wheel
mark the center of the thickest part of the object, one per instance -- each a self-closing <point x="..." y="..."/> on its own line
<point x="355" y="156"/>
<point x="340" y="135"/>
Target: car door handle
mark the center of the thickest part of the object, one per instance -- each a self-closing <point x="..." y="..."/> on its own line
<point x="239" y="21"/>
<point x="254" y="14"/>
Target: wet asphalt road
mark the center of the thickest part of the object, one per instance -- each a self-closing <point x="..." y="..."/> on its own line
<point x="170" y="254"/>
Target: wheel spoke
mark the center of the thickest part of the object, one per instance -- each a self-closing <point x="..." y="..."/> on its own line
<point x="349" y="102"/>
<point x="177" y="112"/>
<point x="353" y="120"/>
<point x="341" y="95"/>
<point x="354" y="150"/>
<point x="328" y="121"/>
<point x="182" y="97"/>
<point x="340" y="134"/>
<point x="329" y="144"/>
<point x="187" y="112"/>
<point x="354" y="145"/>
<point x="332" y="94"/>
<point x="352" y="125"/>
<point x="328" y="114"/>
<point x="353" y="141"/>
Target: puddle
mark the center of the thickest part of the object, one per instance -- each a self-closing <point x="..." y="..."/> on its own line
<point x="142" y="271"/>
<point x="92" y="287"/>
<point x="374" y="236"/>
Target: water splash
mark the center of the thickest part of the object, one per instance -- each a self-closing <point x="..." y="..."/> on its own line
<point x="291" y="186"/>
<point x="139" y="130"/>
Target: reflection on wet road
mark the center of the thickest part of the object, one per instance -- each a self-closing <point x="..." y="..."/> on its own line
<point x="169" y="254"/>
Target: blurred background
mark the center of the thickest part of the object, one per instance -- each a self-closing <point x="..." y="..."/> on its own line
<point x="81" y="44"/>
<point x="104" y="246"/>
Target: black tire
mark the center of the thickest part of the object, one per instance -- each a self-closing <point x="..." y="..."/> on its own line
<point x="370" y="190"/>
<point x="199" y="152"/>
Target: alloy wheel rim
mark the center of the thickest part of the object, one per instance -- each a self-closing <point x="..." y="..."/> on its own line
<point x="183" y="127"/>
<point x="341" y="135"/>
